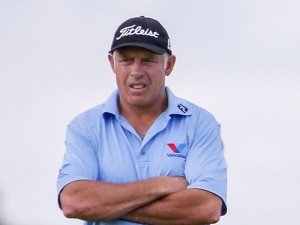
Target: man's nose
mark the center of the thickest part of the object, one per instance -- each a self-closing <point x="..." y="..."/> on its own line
<point x="137" y="69"/>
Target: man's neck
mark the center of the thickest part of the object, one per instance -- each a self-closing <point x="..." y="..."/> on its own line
<point x="141" y="119"/>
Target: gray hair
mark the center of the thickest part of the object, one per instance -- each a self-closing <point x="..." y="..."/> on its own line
<point x="166" y="58"/>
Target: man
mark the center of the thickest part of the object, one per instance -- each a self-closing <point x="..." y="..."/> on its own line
<point x="144" y="156"/>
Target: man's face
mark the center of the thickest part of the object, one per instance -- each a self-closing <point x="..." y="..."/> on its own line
<point x="140" y="76"/>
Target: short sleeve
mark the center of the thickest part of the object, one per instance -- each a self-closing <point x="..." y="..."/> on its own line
<point x="206" y="167"/>
<point x="80" y="161"/>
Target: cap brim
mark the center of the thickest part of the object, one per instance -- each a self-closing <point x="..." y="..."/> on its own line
<point x="152" y="48"/>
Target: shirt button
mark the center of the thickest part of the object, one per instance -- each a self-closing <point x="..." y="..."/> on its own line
<point x="142" y="153"/>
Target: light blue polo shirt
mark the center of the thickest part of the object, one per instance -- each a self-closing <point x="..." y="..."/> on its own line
<point x="183" y="141"/>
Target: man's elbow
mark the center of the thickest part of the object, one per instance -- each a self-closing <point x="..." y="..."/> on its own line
<point x="73" y="207"/>
<point x="213" y="217"/>
<point x="209" y="213"/>
<point x="83" y="211"/>
<point x="212" y="213"/>
<point x="73" y="210"/>
<point x="69" y="212"/>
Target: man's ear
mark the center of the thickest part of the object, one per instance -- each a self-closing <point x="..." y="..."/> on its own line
<point x="170" y="64"/>
<point x="111" y="61"/>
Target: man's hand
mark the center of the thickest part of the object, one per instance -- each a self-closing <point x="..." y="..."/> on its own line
<point x="169" y="185"/>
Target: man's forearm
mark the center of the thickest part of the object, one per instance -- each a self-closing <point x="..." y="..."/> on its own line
<point x="184" y="207"/>
<point x="97" y="201"/>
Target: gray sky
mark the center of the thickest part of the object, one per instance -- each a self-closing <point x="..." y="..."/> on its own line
<point x="238" y="59"/>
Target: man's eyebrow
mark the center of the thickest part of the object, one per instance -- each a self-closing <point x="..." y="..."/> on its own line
<point x="123" y="54"/>
<point x="150" y="55"/>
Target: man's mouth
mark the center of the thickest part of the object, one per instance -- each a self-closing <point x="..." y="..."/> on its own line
<point x="138" y="86"/>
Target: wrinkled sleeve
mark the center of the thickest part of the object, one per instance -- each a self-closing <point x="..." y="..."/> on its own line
<point x="206" y="167"/>
<point x="80" y="161"/>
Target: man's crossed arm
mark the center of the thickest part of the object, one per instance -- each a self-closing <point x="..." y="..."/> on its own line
<point x="161" y="200"/>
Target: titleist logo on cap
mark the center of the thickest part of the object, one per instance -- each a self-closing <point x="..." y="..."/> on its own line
<point x="136" y="30"/>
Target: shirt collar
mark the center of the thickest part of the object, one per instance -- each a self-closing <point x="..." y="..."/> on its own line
<point x="176" y="106"/>
<point x="111" y="104"/>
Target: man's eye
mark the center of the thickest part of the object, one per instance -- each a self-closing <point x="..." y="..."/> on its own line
<point x="149" y="60"/>
<point x="125" y="60"/>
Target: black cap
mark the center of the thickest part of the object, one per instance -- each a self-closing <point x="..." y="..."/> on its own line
<point x="142" y="32"/>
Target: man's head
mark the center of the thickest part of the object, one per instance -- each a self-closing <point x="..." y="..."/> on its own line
<point x="142" y="32"/>
<point x="141" y="58"/>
